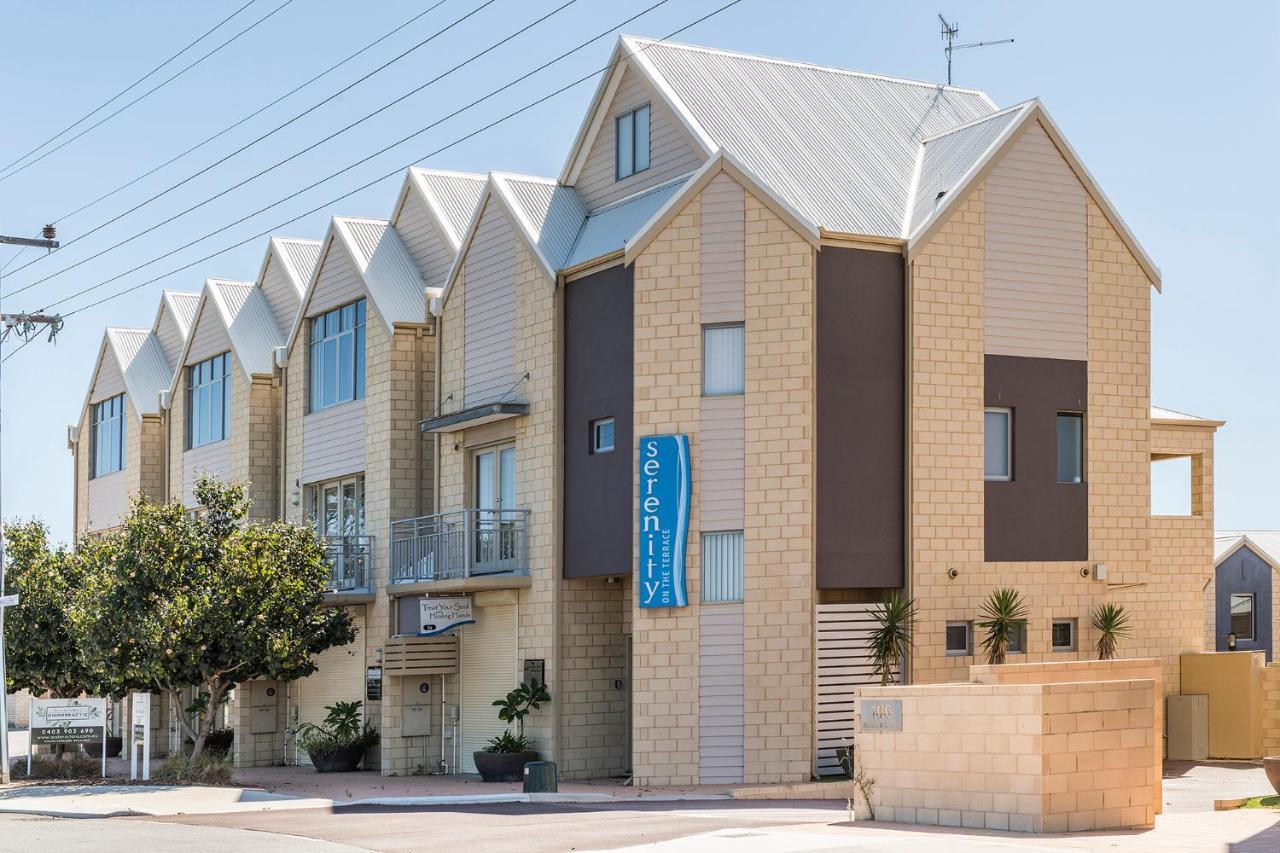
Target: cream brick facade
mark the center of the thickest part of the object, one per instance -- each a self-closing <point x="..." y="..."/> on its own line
<point x="143" y="473"/>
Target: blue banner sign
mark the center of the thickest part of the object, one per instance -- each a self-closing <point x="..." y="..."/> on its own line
<point x="664" y="519"/>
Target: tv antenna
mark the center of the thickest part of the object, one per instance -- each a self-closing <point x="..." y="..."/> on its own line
<point x="950" y="31"/>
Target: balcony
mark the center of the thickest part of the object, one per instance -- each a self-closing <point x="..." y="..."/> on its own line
<point x="460" y="546"/>
<point x="349" y="559"/>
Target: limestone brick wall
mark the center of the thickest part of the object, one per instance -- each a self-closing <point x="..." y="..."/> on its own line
<point x="294" y="407"/>
<point x="82" y="459"/>
<point x="593" y="707"/>
<point x="176" y="436"/>
<point x="255" y="439"/>
<point x="148" y="465"/>
<point x="256" y="750"/>
<point x="1021" y="757"/>
<point x="1271" y="709"/>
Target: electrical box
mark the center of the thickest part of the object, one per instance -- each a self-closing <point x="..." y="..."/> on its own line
<point x="263" y="703"/>
<point x="262" y="720"/>
<point x="417" y="708"/>
<point x="1187" y="718"/>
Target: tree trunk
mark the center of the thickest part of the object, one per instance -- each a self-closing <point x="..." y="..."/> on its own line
<point x="205" y="724"/>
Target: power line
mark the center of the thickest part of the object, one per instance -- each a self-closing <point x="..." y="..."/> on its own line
<point x="383" y="177"/>
<point x="144" y="232"/>
<point x="242" y="149"/>
<point x="334" y="67"/>
<point x="145" y="94"/>
<point x="117" y="95"/>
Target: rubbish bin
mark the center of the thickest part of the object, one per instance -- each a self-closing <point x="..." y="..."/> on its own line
<point x="540" y="777"/>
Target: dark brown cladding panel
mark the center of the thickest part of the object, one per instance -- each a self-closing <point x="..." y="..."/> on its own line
<point x="1033" y="517"/>
<point x="861" y="381"/>
<point x="598" y="317"/>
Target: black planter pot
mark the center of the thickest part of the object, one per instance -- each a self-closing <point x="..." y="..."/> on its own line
<point x="114" y="745"/>
<point x="342" y="760"/>
<point x="502" y="766"/>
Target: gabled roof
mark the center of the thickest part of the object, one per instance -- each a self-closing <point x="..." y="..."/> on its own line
<point x="546" y="215"/>
<point x="608" y="228"/>
<point x="181" y="305"/>
<point x="298" y="257"/>
<point x="141" y="363"/>
<point x="450" y="199"/>
<point x="971" y="139"/>
<point x="246" y="317"/>
<point x="384" y="265"/>
<point x="840" y="146"/>
<point x="1264" y="543"/>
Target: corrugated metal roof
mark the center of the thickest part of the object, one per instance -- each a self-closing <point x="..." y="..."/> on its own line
<point x="1160" y="414"/>
<point x="946" y="158"/>
<point x="1265" y="542"/>
<point x="251" y="327"/>
<point x="183" y="305"/>
<point x="839" y="145"/>
<point x="143" y="365"/>
<point x="451" y="197"/>
<point x="299" y="257"/>
<point x="383" y="261"/>
<point x="550" y="215"/>
<point x="608" y="228"/>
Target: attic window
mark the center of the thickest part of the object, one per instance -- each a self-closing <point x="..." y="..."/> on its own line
<point x="631" y="133"/>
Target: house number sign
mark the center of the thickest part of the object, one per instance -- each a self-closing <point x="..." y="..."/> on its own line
<point x="881" y="715"/>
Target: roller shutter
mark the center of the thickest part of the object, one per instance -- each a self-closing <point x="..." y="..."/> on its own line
<point x="339" y="678"/>
<point x="488" y="672"/>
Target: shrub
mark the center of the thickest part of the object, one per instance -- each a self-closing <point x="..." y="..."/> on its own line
<point x="507" y="742"/>
<point x="71" y="765"/>
<point x="204" y="769"/>
<point x="341" y="729"/>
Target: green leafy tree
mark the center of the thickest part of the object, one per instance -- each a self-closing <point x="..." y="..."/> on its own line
<point x="891" y="639"/>
<point x="43" y="645"/>
<point x="177" y="600"/>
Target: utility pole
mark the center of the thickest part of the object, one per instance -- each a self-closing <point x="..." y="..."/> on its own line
<point x="26" y="326"/>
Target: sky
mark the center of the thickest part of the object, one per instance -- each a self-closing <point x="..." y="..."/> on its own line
<point x="1171" y="107"/>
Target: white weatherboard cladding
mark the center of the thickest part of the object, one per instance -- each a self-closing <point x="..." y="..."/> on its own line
<point x="839" y="146"/>
<point x="281" y="294"/>
<point x="489" y="293"/>
<point x="723" y="252"/>
<point x="721" y="713"/>
<point x="1036" y="288"/>
<point x="339" y="677"/>
<point x="109" y="380"/>
<point x="213" y="459"/>
<point x="251" y="326"/>
<point x="337" y="284"/>
<point x="333" y="442"/>
<point x="553" y="214"/>
<point x="672" y="152"/>
<point x="108" y="497"/>
<point x="430" y="253"/>
<point x="209" y="337"/>
<point x="488" y="671"/>
<point x="721" y="465"/>
<point x="169" y="335"/>
<point x="389" y="273"/>
<point x="844" y="664"/>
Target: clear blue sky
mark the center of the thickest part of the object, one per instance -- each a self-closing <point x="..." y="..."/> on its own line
<point x="1172" y="106"/>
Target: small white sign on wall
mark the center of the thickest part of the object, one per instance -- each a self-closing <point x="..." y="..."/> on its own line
<point x="438" y="615"/>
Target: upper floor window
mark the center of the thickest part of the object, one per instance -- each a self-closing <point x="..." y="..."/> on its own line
<point x="337" y="356"/>
<point x="108" y="435"/>
<point x="997" y="457"/>
<point x="208" y="400"/>
<point x="632" y="134"/>
<point x="1242" y="615"/>
<point x="1070" y="447"/>
<point x="602" y="435"/>
<point x="723" y="360"/>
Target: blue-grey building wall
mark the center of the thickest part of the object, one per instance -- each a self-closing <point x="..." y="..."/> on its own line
<point x="1244" y="572"/>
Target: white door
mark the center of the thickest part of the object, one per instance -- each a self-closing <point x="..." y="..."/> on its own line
<point x="494" y="545"/>
<point x="339" y="678"/>
<point x="487" y="672"/>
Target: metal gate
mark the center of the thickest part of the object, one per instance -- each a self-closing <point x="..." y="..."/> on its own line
<point x="844" y="664"/>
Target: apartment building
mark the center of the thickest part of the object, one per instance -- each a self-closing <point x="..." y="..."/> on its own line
<point x="1243" y="602"/>
<point x="661" y="430"/>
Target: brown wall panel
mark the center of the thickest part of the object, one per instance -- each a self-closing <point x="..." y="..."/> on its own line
<point x="861" y="380"/>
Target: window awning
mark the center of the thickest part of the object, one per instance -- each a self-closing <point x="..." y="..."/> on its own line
<point x="486" y="413"/>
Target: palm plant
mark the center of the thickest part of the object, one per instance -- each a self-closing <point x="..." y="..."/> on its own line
<point x="1111" y="622"/>
<point x="891" y="639"/>
<point x="1005" y="612"/>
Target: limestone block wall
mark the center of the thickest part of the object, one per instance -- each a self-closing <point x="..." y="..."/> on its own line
<point x="1271" y="709"/>
<point x="256" y="750"/>
<point x="255" y="439"/>
<point x="1021" y="757"/>
<point x="593" y="694"/>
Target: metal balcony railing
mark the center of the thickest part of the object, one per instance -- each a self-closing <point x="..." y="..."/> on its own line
<point x="349" y="559"/>
<point x="460" y="544"/>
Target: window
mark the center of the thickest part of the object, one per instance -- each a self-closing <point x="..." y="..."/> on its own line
<point x="108" y="435"/>
<point x="632" y="133"/>
<point x="722" y="566"/>
<point x="602" y="435"/>
<point x="208" y="400"/>
<point x="1242" y="615"/>
<point x="1064" y="635"/>
<point x="723" y="360"/>
<point x="337" y="356"/>
<point x="998" y="450"/>
<point x="1018" y="639"/>
<point x="1070" y="447"/>
<point x="959" y="638"/>
<point x="337" y="507"/>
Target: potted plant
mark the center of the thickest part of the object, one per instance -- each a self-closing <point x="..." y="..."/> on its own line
<point x="1112" y="623"/>
<point x="338" y="744"/>
<point x="504" y="758"/>
<point x="891" y="639"/>
<point x="1004" y="610"/>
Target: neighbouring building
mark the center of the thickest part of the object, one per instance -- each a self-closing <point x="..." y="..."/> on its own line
<point x="810" y="335"/>
<point x="1244" y="593"/>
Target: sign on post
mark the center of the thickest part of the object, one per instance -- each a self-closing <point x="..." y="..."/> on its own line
<point x="68" y="721"/>
<point x="664" y="519"/>
<point x="140" y="734"/>
<point x="438" y="615"/>
<point x="9" y="600"/>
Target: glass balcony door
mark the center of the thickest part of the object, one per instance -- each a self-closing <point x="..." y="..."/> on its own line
<point x="337" y="508"/>
<point x="494" y="488"/>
